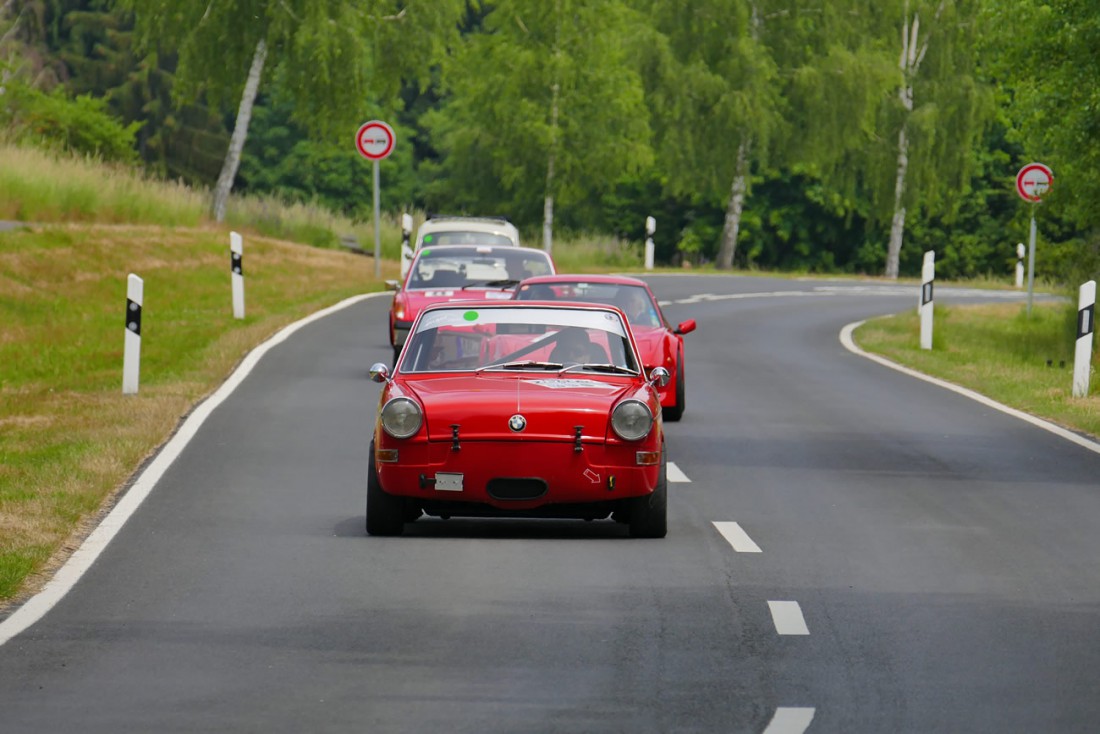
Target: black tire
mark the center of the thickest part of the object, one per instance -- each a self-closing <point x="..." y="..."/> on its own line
<point x="649" y="515"/>
<point x="385" y="513"/>
<point x="674" y="413"/>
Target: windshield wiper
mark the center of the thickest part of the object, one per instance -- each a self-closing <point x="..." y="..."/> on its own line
<point x="507" y="283"/>
<point x="599" y="368"/>
<point x="528" y="364"/>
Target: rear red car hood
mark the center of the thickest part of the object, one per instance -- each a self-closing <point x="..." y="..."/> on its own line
<point x="552" y="406"/>
<point x="416" y="300"/>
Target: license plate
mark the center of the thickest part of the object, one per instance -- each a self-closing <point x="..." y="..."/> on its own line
<point x="448" y="482"/>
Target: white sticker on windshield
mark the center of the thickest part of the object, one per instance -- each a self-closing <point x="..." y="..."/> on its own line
<point x="564" y="383"/>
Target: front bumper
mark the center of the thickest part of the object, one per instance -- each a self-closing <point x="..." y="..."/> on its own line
<point x="512" y="476"/>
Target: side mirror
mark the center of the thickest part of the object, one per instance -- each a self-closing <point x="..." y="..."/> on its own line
<point x="393" y="285"/>
<point x="658" y="375"/>
<point x="379" y="372"/>
<point x="685" y="327"/>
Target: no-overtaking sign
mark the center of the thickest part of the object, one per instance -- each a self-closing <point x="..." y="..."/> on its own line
<point x="1033" y="181"/>
<point x="375" y="140"/>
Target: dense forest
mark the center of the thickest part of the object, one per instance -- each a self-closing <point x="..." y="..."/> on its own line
<point x="831" y="136"/>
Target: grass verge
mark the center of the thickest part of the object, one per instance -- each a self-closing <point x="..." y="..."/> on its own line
<point x="69" y="438"/>
<point x="998" y="350"/>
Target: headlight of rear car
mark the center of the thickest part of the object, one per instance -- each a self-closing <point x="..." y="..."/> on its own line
<point x="631" y="419"/>
<point x="401" y="417"/>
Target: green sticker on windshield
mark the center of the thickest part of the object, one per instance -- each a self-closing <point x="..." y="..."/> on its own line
<point x="427" y="238"/>
<point x="470" y="315"/>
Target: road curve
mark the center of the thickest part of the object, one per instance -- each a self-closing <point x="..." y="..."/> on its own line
<point x="850" y="549"/>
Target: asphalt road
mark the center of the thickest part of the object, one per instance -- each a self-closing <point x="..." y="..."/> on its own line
<point x="854" y="550"/>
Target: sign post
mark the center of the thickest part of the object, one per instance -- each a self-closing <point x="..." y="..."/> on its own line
<point x="374" y="141"/>
<point x="650" y="228"/>
<point x="1086" y="325"/>
<point x="1032" y="182"/>
<point x="927" y="276"/>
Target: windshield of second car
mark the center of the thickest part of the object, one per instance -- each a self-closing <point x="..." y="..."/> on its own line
<point x="463" y="237"/>
<point x="470" y="267"/>
<point x="521" y="339"/>
<point x="632" y="300"/>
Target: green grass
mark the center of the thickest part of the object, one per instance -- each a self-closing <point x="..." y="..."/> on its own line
<point x="1023" y="361"/>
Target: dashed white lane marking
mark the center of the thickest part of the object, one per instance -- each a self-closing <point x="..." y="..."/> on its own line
<point x="790" y="720"/>
<point x="850" y="345"/>
<point x="84" y="556"/>
<point x="788" y="618"/>
<point x="737" y="537"/>
<point x="675" y="475"/>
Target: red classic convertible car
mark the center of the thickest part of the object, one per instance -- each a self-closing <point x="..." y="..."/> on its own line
<point x="441" y="273"/>
<point x="659" y="343"/>
<point x="518" y="410"/>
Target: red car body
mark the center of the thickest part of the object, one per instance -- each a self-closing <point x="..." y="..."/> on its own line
<point x="442" y="273"/>
<point x="483" y="417"/>
<point x="660" y="344"/>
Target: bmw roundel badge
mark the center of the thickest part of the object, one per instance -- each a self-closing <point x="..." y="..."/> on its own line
<point x="517" y="422"/>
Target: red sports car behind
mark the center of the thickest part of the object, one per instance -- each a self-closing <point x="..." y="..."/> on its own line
<point x="660" y="344"/>
<point x="441" y="273"/>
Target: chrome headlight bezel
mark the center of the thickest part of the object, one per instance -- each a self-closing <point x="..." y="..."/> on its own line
<point x="401" y="417"/>
<point x="632" y="420"/>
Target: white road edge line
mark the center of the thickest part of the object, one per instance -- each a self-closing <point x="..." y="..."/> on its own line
<point x="850" y="345"/>
<point x="788" y="619"/>
<point x="84" y="556"/>
<point x="790" y="720"/>
<point x="674" y="474"/>
<point x="737" y="537"/>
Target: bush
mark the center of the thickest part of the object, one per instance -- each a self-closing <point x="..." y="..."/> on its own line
<point x="79" y="125"/>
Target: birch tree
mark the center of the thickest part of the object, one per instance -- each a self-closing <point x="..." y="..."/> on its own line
<point x="540" y="108"/>
<point x="937" y="116"/>
<point x="747" y="86"/>
<point x="329" y="54"/>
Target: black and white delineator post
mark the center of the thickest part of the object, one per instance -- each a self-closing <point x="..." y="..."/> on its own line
<point x="650" y="228"/>
<point x="131" y="356"/>
<point x="927" y="276"/>
<point x="406" y="248"/>
<point x="1086" y="325"/>
<point x="1019" y="264"/>
<point x="236" y="275"/>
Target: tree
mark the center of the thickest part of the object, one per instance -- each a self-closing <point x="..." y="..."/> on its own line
<point x="330" y="54"/>
<point x="758" y="85"/>
<point x="1051" y="70"/>
<point x="540" y="108"/>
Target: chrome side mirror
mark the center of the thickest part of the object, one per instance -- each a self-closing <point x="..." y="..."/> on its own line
<point x="659" y="375"/>
<point x="393" y="285"/>
<point x="379" y="372"/>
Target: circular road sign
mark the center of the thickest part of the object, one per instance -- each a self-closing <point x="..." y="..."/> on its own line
<point x="1033" y="181"/>
<point x="375" y="139"/>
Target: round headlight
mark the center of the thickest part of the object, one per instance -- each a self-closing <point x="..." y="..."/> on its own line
<point x="631" y="419"/>
<point x="401" y="417"/>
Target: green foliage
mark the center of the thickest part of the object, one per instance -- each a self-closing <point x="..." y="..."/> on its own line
<point x="1050" y="66"/>
<point x="497" y="132"/>
<point x="79" y="125"/>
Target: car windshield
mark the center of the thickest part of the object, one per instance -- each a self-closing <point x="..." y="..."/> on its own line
<point x="633" y="300"/>
<point x="459" y="267"/>
<point x="465" y="237"/>
<point x="515" y="338"/>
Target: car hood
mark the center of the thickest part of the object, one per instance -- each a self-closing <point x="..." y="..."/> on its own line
<point x="551" y="406"/>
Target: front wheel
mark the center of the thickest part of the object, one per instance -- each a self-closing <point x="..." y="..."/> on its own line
<point x="385" y="513"/>
<point x="649" y="515"/>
